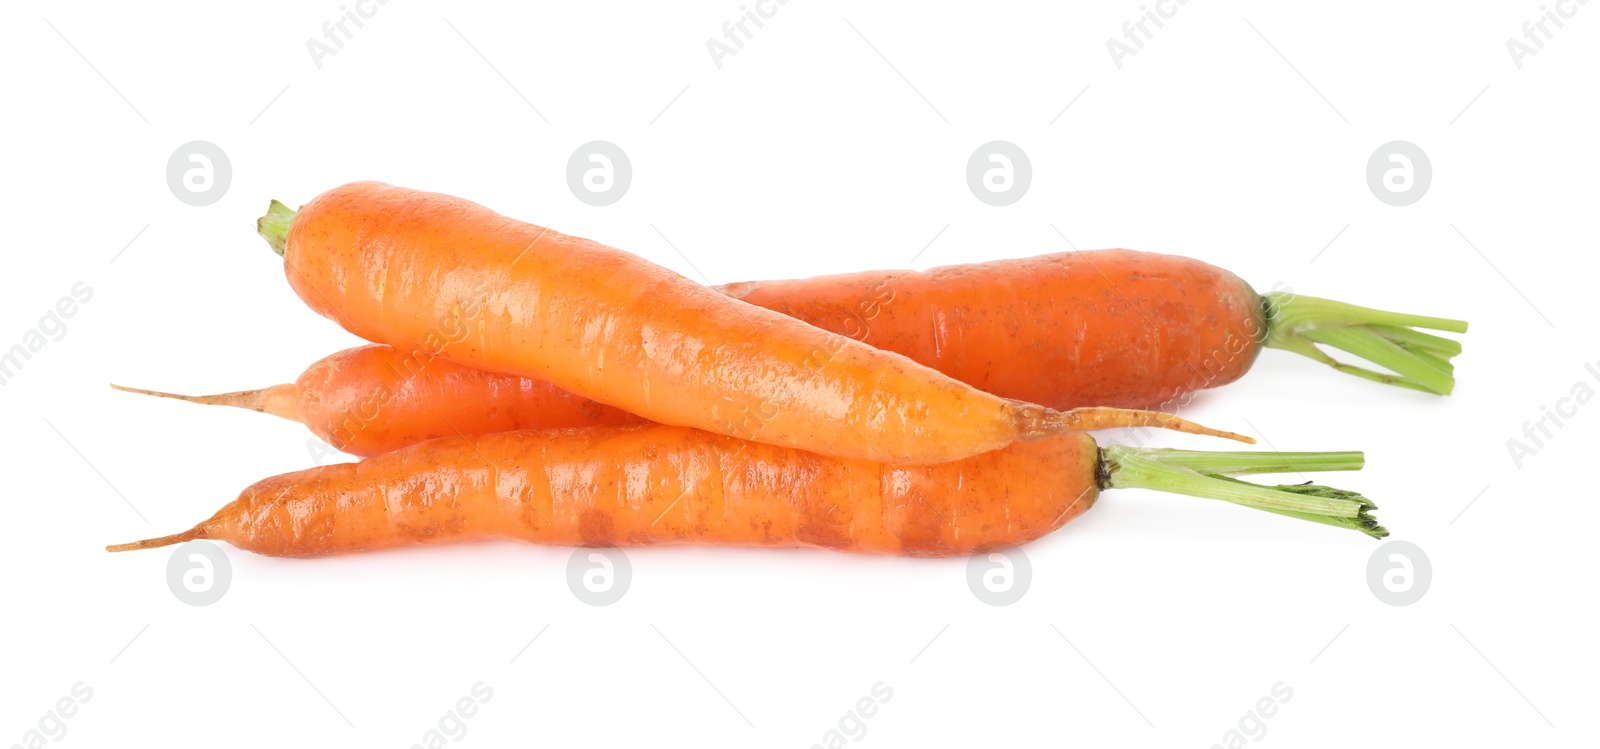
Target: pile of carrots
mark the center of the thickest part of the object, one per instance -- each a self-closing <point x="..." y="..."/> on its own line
<point x="524" y="384"/>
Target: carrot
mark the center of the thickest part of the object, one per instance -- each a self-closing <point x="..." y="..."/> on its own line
<point x="1104" y="327"/>
<point x="426" y="271"/>
<point x="373" y="399"/>
<point x="648" y="484"/>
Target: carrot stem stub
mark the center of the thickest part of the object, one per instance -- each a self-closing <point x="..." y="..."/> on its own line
<point x="1418" y="360"/>
<point x="274" y="227"/>
<point x="1210" y="475"/>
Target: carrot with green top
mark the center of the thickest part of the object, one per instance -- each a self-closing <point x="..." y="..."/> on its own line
<point x="1106" y="327"/>
<point x="650" y="484"/>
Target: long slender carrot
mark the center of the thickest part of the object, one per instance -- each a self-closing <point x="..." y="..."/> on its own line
<point x="652" y="484"/>
<point x="1106" y="327"/>
<point x="416" y="269"/>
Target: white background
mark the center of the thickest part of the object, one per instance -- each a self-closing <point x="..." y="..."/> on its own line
<point x="1239" y="135"/>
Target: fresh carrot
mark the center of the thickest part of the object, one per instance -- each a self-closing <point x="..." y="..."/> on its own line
<point x="651" y="484"/>
<point x="422" y="270"/>
<point x="373" y="399"/>
<point x="1106" y="327"/>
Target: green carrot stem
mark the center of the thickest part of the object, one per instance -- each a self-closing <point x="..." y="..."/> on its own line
<point x="1375" y="348"/>
<point x="274" y="227"/>
<point x="1418" y="360"/>
<point x="1240" y="463"/>
<point x="1416" y="339"/>
<point x="1209" y="475"/>
<point x="1306" y="348"/>
<point x="1443" y="365"/>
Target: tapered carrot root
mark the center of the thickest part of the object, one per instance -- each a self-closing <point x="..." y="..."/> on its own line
<point x="373" y="399"/>
<point x="652" y="484"/>
<point x="1092" y="419"/>
<point x="250" y="399"/>
<point x="282" y="401"/>
<point x="195" y="533"/>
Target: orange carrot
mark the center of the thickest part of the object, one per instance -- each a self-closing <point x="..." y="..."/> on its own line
<point x="373" y="399"/>
<point x="422" y="270"/>
<point x="651" y="484"/>
<point x="1104" y="327"/>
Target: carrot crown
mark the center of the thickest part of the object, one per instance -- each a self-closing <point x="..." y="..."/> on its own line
<point x="274" y="227"/>
<point x="1416" y="360"/>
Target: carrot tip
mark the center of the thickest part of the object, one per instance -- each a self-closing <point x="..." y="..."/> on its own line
<point x="1091" y="419"/>
<point x="197" y="532"/>
<point x="250" y="399"/>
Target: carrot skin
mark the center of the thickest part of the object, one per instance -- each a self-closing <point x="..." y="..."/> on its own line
<point x="650" y="484"/>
